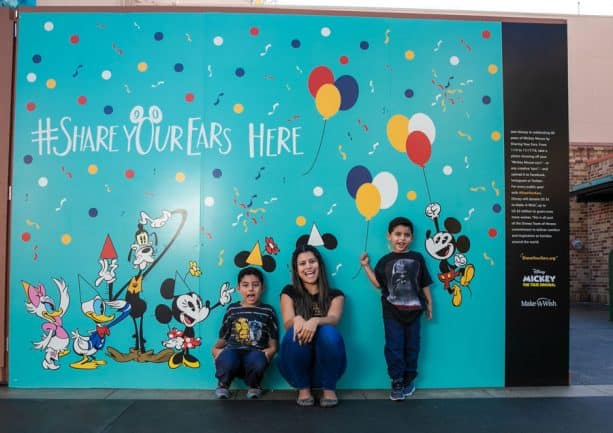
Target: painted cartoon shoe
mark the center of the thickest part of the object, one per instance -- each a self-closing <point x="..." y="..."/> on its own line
<point x="467" y="276"/>
<point x="456" y="299"/>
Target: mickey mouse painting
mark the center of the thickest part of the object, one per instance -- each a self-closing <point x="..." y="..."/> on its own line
<point x="442" y="245"/>
<point x="188" y="309"/>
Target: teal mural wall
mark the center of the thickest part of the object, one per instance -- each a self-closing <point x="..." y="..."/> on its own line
<point x="151" y="147"/>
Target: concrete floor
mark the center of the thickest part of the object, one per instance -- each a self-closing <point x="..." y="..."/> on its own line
<point x="591" y="345"/>
<point x="583" y="407"/>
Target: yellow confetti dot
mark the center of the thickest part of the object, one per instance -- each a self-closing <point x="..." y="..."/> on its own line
<point x="180" y="177"/>
<point x="66" y="239"/>
<point x="300" y="221"/>
<point x="92" y="169"/>
<point x="495" y="135"/>
<point x="409" y="55"/>
<point x="51" y="83"/>
<point x="492" y="69"/>
<point x="142" y="66"/>
<point x="411" y="195"/>
<point x="238" y="108"/>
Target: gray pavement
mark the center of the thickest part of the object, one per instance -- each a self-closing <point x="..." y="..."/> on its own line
<point x="583" y="407"/>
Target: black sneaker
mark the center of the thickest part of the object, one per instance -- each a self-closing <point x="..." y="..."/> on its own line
<point x="409" y="390"/>
<point x="397" y="392"/>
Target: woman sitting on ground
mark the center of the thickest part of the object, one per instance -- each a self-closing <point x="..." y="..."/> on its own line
<point x="312" y="351"/>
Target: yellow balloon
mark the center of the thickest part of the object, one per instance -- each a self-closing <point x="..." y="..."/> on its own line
<point x="328" y="100"/>
<point x="398" y="131"/>
<point x="368" y="200"/>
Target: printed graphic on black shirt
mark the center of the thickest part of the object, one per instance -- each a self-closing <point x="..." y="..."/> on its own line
<point x="247" y="332"/>
<point x="402" y="290"/>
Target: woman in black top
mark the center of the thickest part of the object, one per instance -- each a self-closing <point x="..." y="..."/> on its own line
<point x="312" y="351"/>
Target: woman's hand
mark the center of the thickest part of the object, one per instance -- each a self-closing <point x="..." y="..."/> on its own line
<point x="298" y="325"/>
<point x="309" y="328"/>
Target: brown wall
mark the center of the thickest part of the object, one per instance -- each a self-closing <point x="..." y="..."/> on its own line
<point x="590" y="223"/>
<point x="6" y="79"/>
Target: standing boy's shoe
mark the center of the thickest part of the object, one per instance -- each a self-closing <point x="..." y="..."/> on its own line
<point x="409" y="390"/>
<point x="254" y="393"/>
<point x="397" y="392"/>
<point x="222" y="392"/>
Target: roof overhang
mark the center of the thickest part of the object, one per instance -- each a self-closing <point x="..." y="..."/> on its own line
<point x="600" y="189"/>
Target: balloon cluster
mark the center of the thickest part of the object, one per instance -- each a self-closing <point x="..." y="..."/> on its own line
<point x="414" y="136"/>
<point x="332" y="95"/>
<point x="371" y="194"/>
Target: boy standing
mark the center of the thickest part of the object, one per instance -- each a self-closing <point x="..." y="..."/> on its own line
<point x="247" y="338"/>
<point x="404" y="281"/>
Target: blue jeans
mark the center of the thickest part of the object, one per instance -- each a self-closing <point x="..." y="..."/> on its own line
<point x="402" y="342"/>
<point x="319" y="363"/>
<point x="249" y="364"/>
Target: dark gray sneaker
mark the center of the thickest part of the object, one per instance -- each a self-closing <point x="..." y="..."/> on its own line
<point x="222" y="392"/>
<point x="397" y="392"/>
<point x="409" y="389"/>
<point x="254" y="393"/>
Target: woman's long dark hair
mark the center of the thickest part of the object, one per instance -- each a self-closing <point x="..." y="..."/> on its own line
<point x="302" y="305"/>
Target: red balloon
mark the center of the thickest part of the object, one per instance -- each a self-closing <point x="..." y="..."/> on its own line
<point x="318" y="77"/>
<point x="418" y="148"/>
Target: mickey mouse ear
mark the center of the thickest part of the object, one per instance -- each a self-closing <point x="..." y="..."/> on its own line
<point x="167" y="289"/>
<point x="463" y="244"/>
<point x="453" y="225"/>
<point x="269" y="264"/>
<point x="163" y="314"/>
<point x="302" y="240"/>
<point x="240" y="259"/>
<point x="330" y="241"/>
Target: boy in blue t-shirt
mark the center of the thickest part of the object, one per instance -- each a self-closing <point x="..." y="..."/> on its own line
<point x="247" y="338"/>
<point x="405" y="282"/>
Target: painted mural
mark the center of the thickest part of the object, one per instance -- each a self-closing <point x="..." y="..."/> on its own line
<point x="156" y="154"/>
<point x="17" y="3"/>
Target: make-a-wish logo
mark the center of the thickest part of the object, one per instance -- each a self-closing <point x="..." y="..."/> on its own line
<point x="539" y="303"/>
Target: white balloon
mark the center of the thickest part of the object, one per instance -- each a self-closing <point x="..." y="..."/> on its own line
<point x="388" y="188"/>
<point x="421" y="122"/>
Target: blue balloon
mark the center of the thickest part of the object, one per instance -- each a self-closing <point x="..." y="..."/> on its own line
<point x="348" y="88"/>
<point x="357" y="176"/>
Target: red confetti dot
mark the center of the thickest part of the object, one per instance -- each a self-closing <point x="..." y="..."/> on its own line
<point x="254" y="31"/>
<point x="30" y="106"/>
<point x="492" y="233"/>
<point x="486" y="34"/>
<point x="129" y="173"/>
<point x="74" y="39"/>
<point x="82" y="100"/>
<point x="344" y="60"/>
<point x="25" y="236"/>
<point x="189" y="97"/>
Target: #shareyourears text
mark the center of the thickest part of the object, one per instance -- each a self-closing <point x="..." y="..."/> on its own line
<point x="147" y="134"/>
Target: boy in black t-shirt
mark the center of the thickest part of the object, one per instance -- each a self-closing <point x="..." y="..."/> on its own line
<point x="405" y="282"/>
<point x="247" y="338"/>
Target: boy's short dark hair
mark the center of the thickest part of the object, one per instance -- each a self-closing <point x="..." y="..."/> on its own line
<point x="400" y="221"/>
<point x="250" y="271"/>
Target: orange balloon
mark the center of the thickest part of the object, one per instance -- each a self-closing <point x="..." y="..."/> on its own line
<point x="368" y="200"/>
<point x="398" y="131"/>
<point x="328" y="100"/>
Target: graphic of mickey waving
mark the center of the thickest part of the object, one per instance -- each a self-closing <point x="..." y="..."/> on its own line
<point x="442" y="245"/>
<point x="189" y="310"/>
